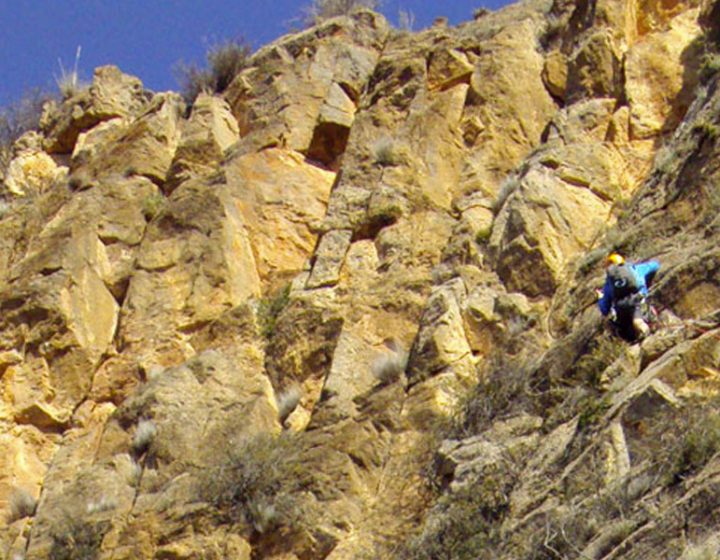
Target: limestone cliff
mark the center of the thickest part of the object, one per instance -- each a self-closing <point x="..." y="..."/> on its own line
<point x="345" y="309"/>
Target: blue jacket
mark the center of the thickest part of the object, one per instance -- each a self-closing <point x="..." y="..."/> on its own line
<point x="641" y="270"/>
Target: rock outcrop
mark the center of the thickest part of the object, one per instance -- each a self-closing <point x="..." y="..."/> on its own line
<point x="345" y="308"/>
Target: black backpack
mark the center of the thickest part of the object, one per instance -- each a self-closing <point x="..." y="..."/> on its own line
<point x="623" y="280"/>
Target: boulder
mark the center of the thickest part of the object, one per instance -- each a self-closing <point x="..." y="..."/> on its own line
<point x="147" y="146"/>
<point x="544" y="223"/>
<point x="112" y="94"/>
<point x="205" y="137"/>
<point x="295" y="92"/>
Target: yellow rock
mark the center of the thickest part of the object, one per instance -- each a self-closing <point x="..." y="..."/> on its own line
<point x="659" y="86"/>
<point x="447" y="68"/>
<point x="281" y="199"/>
<point x="555" y="74"/>
<point x="32" y="172"/>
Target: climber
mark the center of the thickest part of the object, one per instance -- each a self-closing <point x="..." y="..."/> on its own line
<point x="624" y="294"/>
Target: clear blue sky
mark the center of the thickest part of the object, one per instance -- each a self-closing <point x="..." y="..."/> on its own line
<point x="147" y="38"/>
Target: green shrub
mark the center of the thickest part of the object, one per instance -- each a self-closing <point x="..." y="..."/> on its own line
<point x="592" y="409"/>
<point x="259" y="483"/>
<point x="681" y="443"/>
<point x="269" y="309"/>
<point x="152" y="205"/>
<point x="707" y="129"/>
<point x="224" y="62"/>
<point x="709" y="65"/>
<point x="603" y="350"/>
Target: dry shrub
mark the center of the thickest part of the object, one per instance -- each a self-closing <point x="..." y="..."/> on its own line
<point x="455" y="528"/>
<point x="18" y="118"/>
<point x="22" y="504"/>
<point x="287" y="402"/>
<point x="224" y="62"/>
<point x="505" y="390"/>
<point x="69" y="82"/>
<point x="390" y="365"/>
<point x="144" y="436"/>
<point x="77" y="539"/>
<point x="260" y="483"/>
<point x="320" y="10"/>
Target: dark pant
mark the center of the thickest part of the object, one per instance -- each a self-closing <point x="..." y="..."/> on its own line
<point x="626" y="310"/>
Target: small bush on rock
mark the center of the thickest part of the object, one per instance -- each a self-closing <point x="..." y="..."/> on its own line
<point x="700" y="442"/>
<point x="269" y="309"/>
<point x="259" y="482"/>
<point x="287" y="402"/>
<point x="389" y="366"/>
<point x="320" y="10"/>
<point x="76" y="539"/>
<point x="22" y="504"/>
<point x="455" y="528"/>
<point x="224" y="62"/>
<point x="144" y="436"/>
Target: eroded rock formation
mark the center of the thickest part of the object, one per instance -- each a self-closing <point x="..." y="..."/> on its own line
<point x="251" y="329"/>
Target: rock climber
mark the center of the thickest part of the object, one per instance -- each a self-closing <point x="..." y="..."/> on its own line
<point x="624" y="294"/>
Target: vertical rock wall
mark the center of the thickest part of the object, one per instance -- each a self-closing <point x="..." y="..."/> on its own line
<point x="366" y="218"/>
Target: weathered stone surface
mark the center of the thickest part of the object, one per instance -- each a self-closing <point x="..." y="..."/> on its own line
<point x="582" y="122"/>
<point x="543" y="224"/>
<point x="410" y="241"/>
<point x="510" y="104"/>
<point x="26" y="452"/>
<point x="447" y="68"/>
<point x="90" y="142"/>
<point x="329" y="258"/>
<point x="661" y="73"/>
<point x="282" y="198"/>
<point x="111" y="94"/>
<point x="555" y="74"/>
<point x="32" y="172"/>
<point x="194" y="263"/>
<point x="441" y="339"/>
<point x="210" y="131"/>
<point x="59" y="283"/>
<point x="533" y="484"/>
<point x="307" y="68"/>
<point x="595" y="68"/>
<point x="469" y="461"/>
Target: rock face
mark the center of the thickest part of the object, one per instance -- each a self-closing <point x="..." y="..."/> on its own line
<point x="253" y="327"/>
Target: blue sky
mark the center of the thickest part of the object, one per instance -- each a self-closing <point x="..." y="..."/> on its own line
<point x="147" y="38"/>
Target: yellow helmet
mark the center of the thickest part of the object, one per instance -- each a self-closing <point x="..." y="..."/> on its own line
<point x="615" y="258"/>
